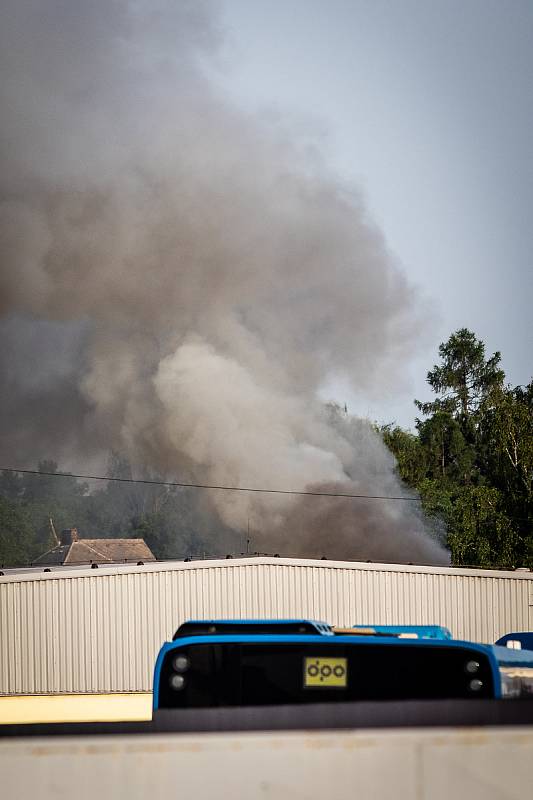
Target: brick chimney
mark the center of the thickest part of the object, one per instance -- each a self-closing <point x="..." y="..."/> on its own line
<point x="69" y="535"/>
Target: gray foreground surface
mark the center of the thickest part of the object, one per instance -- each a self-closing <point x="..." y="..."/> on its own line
<point x="474" y="763"/>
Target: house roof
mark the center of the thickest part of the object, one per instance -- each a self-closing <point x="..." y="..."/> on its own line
<point x="84" y="551"/>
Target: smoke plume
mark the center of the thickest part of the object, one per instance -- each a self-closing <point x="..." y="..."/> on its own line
<point x="179" y="281"/>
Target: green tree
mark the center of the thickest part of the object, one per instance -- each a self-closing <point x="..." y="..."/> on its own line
<point x="471" y="459"/>
<point x="10" y="485"/>
<point x="506" y="447"/>
<point x="448" y="456"/>
<point x="464" y="378"/>
<point x="17" y="539"/>
<point x="479" y="531"/>
<point x="115" y="509"/>
<point x="507" y="435"/>
<point x="53" y="495"/>
<point x="409" y="453"/>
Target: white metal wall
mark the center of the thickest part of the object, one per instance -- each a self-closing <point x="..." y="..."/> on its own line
<point x="99" y="631"/>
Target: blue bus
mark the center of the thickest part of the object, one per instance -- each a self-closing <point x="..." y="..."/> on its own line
<point x="228" y="663"/>
<point x="520" y="640"/>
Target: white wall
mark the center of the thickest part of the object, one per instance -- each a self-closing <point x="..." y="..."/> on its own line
<point x="88" y="630"/>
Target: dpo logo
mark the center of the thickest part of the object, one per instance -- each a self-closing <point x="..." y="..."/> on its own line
<point x="325" y="672"/>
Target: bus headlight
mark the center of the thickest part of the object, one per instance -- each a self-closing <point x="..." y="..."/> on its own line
<point x="176" y="682"/>
<point x="180" y="663"/>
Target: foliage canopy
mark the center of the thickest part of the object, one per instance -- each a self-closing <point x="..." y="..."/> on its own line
<point x="471" y="459"/>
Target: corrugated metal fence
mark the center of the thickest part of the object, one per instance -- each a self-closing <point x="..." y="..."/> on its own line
<point x="99" y="631"/>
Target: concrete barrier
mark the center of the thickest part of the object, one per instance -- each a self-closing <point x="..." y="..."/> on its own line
<point x="475" y="763"/>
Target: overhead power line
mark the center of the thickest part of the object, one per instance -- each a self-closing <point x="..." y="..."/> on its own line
<point x="207" y="486"/>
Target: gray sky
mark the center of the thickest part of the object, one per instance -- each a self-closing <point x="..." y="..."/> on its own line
<point x="428" y="107"/>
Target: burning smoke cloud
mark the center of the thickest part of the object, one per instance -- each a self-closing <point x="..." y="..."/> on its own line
<point x="178" y="281"/>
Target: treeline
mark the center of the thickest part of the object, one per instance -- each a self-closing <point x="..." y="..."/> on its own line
<point x="471" y="458"/>
<point x="173" y="521"/>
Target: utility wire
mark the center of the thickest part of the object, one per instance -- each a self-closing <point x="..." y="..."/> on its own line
<point x="207" y="486"/>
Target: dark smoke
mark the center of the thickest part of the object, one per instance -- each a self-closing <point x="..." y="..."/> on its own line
<point x="366" y="529"/>
<point x="179" y="281"/>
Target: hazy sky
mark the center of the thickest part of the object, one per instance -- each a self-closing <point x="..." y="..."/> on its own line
<point x="428" y="107"/>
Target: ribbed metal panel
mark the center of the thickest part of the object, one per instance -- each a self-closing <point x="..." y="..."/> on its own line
<point x="99" y="631"/>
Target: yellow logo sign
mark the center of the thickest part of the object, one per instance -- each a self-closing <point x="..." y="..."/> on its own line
<point x="322" y="672"/>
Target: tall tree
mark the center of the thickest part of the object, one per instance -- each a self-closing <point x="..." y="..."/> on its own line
<point x="506" y="431"/>
<point x="506" y="451"/>
<point x="464" y="378"/>
<point x="472" y="458"/>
